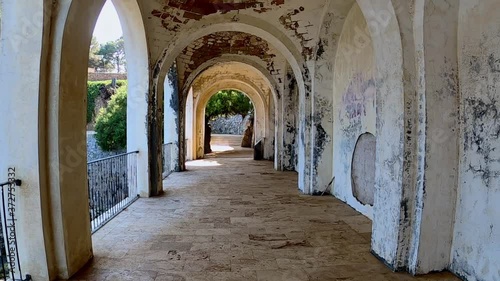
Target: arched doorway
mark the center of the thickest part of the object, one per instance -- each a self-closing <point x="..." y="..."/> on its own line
<point x="230" y="115"/>
<point x="201" y="104"/>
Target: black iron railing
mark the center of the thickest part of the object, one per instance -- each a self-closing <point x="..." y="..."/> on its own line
<point x="168" y="160"/>
<point x="10" y="268"/>
<point x="112" y="184"/>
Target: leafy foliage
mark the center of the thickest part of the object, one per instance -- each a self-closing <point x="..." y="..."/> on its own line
<point x="111" y="123"/>
<point x="107" y="56"/>
<point x="94" y="90"/>
<point x="227" y="103"/>
<point x="94" y="58"/>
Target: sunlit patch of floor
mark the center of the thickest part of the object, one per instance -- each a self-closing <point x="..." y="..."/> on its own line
<point x="203" y="163"/>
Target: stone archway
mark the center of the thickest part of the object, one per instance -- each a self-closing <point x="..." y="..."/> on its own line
<point x="388" y="109"/>
<point x="257" y="76"/>
<point x="259" y="106"/>
<point x="54" y="224"/>
<point x="68" y="89"/>
<point x="282" y="43"/>
<point x="136" y="54"/>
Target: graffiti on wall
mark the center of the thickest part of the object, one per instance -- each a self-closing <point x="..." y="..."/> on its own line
<point x="359" y="95"/>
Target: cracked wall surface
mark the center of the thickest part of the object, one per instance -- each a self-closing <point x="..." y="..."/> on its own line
<point x="355" y="97"/>
<point x="476" y="247"/>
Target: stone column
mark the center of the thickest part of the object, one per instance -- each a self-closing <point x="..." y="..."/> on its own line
<point x="22" y="139"/>
<point x="172" y="116"/>
<point x="436" y="193"/>
<point x="136" y="53"/>
<point x="289" y="129"/>
<point x="189" y="127"/>
<point x="269" y="144"/>
<point x="305" y="135"/>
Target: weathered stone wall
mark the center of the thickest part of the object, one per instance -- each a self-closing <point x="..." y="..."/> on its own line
<point x="106" y="76"/>
<point x="231" y="125"/>
<point x="476" y="247"/>
<point x="354" y="103"/>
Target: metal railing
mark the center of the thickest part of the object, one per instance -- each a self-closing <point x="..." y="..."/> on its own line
<point x="10" y="268"/>
<point x="168" y="163"/>
<point x="112" y="184"/>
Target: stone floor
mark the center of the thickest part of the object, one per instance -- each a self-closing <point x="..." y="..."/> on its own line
<point x="237" y="219"/>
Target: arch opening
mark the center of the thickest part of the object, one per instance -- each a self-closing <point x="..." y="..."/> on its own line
<point x="113" y="109"/>
<point x="65" y="122"/>
<point x="260" y="116"/>
<point x="229" y="119"/>
<point x="229" y="75"/>
<point x="369" y="96"/>
<point x="293" y="60"/>
<point x="355" y="97"/>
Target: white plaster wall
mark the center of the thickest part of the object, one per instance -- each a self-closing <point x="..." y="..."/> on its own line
<point x="391" y="96"/>
<point x="437" y="150"/>
<point x="333" y="21"/>
<point x="136" y="53"/>
<point x="354" y="102"/>
<point x="21" y="44"/>
<point x="476" y="243"/>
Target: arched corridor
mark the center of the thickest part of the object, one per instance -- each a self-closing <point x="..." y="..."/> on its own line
<point x="378" y="122"/>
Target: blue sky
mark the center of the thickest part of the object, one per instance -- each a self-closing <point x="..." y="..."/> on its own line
<point x="108" y="25"/>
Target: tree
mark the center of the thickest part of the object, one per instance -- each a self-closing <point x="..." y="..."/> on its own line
<point x="113" y="55"/>
<point x="107" y="56"/>
<point x="120" y="55"/>
<point x="107" y="52"/>
<point x="111" y="123"/>
<point x="228" y="102"/>
<point x="94" y="58"/>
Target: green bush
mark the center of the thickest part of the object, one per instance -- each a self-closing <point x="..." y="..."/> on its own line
<point x="94" y="89"/>
<point x="111" y="122"/>
<point x="228" y="103"/>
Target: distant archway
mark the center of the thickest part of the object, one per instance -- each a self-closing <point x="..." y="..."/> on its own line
<point x="259" y="104"/>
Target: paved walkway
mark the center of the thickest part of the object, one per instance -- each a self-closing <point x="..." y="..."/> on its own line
<point x="228" y="146"/>
<point x="237" y="219"/>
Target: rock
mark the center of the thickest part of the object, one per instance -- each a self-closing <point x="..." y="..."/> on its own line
<point x="247" y="137"/>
